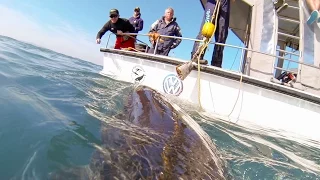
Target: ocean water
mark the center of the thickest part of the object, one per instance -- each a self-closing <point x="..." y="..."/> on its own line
<point x="52" y="107"/>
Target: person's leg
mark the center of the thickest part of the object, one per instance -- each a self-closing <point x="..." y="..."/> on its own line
<point x="317" y="4"/>
<point x="128" y="43"/>
<point x="209" y="8"/>
<point x="221" y="33"/>
<point x="165" y="52"/>
<point x="313" y="5"/>
<point x="117" y="44"/>
<point x="151" y="50"/>
<point x="313" y="17"/>
<point x="132" y="43"/>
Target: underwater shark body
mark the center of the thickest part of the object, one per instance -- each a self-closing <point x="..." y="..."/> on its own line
<point x="151" y="139"/>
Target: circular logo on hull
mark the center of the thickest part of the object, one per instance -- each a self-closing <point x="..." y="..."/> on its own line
<point x="172" y="85"/>
<point x="138" y="74"/>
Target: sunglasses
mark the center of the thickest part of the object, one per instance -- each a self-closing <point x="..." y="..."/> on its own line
<point x="113" y="16"/>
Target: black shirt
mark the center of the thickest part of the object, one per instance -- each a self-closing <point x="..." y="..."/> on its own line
<point x="122" y="24"/>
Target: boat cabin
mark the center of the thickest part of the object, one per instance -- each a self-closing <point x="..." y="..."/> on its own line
<point x="279" y="37"/>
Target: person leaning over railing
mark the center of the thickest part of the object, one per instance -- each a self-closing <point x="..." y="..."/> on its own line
<point x="168" y="26"/>
<point x="314" y="6"/>
<point x="118" y="26"/>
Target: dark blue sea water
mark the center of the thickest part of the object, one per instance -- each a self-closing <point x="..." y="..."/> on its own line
<point x="52" y="106"/>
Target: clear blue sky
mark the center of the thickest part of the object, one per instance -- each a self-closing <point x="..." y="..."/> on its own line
<point x="90" y="15"/>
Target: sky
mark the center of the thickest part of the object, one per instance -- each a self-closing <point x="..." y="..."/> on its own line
<point x="70" y="26"/>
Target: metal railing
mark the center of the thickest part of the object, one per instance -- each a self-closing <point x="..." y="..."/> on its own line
<point x="226" y="45"/>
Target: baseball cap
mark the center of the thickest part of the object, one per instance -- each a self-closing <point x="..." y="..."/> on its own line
<point x="137" y="9"/>
<point x="114" y="12"/>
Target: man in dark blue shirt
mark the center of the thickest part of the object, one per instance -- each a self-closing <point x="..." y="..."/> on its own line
<point x="136" y="20"/>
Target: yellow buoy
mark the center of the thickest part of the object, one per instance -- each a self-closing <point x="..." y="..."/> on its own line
<point x="207" y="29"/>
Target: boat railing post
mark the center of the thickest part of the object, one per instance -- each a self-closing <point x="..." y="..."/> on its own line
<point x="108" y="40"/>
<point x="241" y="60"/>
<point x="156" y="46"/>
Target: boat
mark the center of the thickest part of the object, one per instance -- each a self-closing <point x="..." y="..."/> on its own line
<point x="263" y="92"/>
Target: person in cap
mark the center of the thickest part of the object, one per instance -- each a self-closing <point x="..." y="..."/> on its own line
<point x="136" y="20"/>
<point x="118" y="26"/>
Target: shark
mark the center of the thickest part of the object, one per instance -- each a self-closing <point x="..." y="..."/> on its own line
<point x="151" y="139"/>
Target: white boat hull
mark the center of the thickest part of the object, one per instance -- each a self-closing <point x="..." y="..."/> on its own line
<point x="292" y="112"/>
